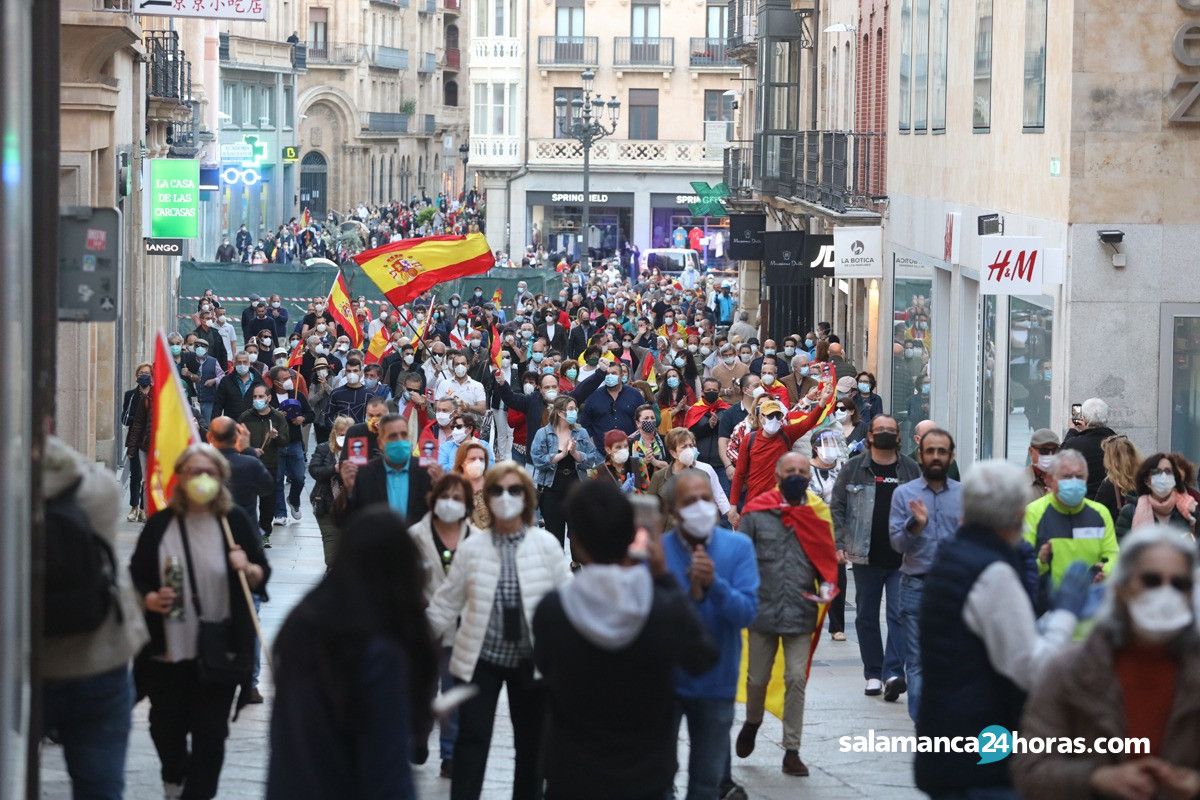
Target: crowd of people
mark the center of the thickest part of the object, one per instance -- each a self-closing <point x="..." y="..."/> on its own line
<point x="604" y="485"/>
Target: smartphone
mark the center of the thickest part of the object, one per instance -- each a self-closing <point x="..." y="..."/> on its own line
<point x="647" y="513"/>
<point x="1076" y="412"/>
<point x="359" y="450"/>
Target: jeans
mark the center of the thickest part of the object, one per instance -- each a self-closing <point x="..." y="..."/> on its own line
<point x="206" y="411"/>
<point x="911" y="590"/>
<point x="90" y="718"/>
<point x="448" y="726"/>
<point x="181" y="705"/>
<point x="763" y="650"/>
<point x="329" y="537"/>
<point x="476" y="717"/>
<point x="291" y="466"/>
<point x="870" y="585"/>
<point x="708" y="724"/>
<point x="837" y="609"/>
<point x="258" y="600"/>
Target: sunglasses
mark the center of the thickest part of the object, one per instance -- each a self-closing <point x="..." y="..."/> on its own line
<point x="841" y="408"/>
<point x="515" y="491"/>
<point x="1048" y="451"/>
<point x="1153" y="580"/>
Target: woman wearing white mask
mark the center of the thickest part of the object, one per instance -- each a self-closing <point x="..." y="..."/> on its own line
<point x="562" y="453"/>
<point x="472" y="461"/>
<point x="1162" y="499"/>
<point x="327" y="486"/>
<point x="829" y="454"/>
<point x="1136" y="676"/>
<point x="494" y="585"/>
<point x="197" y="614"/>
<point x="681" y="447"/>
<point x="438" y="535"/>
<point x="848" y="423"/>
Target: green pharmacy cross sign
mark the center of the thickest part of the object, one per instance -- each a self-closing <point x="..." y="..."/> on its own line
<point x="710" y="204"/>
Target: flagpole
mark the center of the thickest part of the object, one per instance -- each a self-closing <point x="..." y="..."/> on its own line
<point x="266" y="652"/>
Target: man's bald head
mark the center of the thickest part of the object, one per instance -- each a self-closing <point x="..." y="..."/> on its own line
<point x="222" y="432"/>
<point x="923" y="427"/>
<point x="835" y="349"/>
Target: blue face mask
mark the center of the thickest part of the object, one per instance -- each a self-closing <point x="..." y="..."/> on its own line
<point x="547" y="370"/>
<point x="864" y="387"/>
<point x="572" y="373"/>
<point x="537" y="357"/>
<point x="804" y="372"/>
<point x="924" y="388"/>
<point x="260" y="404"/>
<point x="673" y="382"/>
<point x="1071" y="491"/>
<point x="1046" y="375"/>
<point x="398" y="452"/>
<point x="611" y="380"/>
<point x="808" y="343"/>
<point x="176" y="349"/>
<point x="572" y="416"/>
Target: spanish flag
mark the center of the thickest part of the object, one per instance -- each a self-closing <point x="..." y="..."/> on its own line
<point x="403" y="270"/>
<point x="379" y="347"/>
<point x="343" y="311"/>
<point x="496" y="349"/>
<point x="172" y="427"/>
<point x="497" y="298"/>
<point x="296" y="357"/>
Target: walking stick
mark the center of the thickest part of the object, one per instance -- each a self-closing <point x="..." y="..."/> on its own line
<point x="266" y="651"/>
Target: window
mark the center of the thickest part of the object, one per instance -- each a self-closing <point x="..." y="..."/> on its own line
<point x="938" y="46"/>
<point x="572" y="115"/>
<point x="450" y="93"/>
<point x="289" y="106"/>
<point x="1034" y="116"/>
<point x="479" y="123"/>
<point x="229" y="105"/>
<point x="645" y="21"/>
<point x="249" y="118"/>
<point x="718" y="108"/>
<point x="981" y="105"/>
<point x="318" y="31"/>
<point x="266" y="108"/>
<point x="643" y="113"/>
<point x="921" y="66"/>
<point x="717" y="21"/>
<point x="906" y="65"/>
<point x="568" y="19"/>
<point x="780" y="98"/>
<point x="498" y="115"/>
<point x="481" y="18"/>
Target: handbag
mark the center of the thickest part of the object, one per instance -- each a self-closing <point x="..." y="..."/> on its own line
<point x="218" y="661"/>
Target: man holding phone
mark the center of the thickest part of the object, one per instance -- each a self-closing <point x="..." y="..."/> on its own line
<point x="268" y="429"/>
<point x="1089" y="429"/>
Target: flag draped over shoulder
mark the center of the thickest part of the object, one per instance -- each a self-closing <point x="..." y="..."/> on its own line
<point x="172" y="427"/>
<point x="343" y="311"/>
<point x="380" y="345"/>
<point x="696" y="412"/>
<point x="405" y="269"/>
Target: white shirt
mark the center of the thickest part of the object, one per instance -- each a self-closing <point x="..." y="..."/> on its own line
<point x="229" y="337"/>
<point x="550" y="333"/>
<point x="469" y="391"/>
<point x="719" y="496"/>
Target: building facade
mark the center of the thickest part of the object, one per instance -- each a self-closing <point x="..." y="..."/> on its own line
<point x="666" y="63"/>
<point x="382" y="115"/>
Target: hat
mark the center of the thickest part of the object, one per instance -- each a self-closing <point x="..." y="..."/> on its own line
<point x="770" y="407"/>
<point x="726" y="285"/>
<point x="320" y="363"/>
<point x="615" y="436"/>
<point x="1044" y="436"/>
<point x="281" y="350"/>
<point x="846" y="384"/>
<point x="254" y="298"/>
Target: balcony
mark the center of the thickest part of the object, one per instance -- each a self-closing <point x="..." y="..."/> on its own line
<point x="743" y="29"/>
<point x="568" y="51"/>
<point x="392" y="3"/>
<point x="736" y="170"/>
<point x="651" y="52"/>
<point x="427" y="64"/>
<point x="334" y="54"/>
<point x="387" y="57"/>
<point x="710" y="53"/>
<point x="838" y="171"/>
<point x="630" y="153"/>
<point x="384" y="122"/>
<point x="453" y="58"/>
<point x="496" y="51"/>
<point x="300" y="57"/>
<point x="495" y="151"/>
<point x="168" y="72"/>
<point x="453" y="6"/>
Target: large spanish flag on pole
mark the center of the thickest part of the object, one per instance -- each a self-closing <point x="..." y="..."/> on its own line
<point x="172" y="427"/>
<point x="343" y="312"/>
<point x="403" y="270"/>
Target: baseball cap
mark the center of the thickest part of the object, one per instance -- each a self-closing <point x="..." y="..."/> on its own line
<point x="846" y="384"/>
<point x="770" y="407"/>
<point x="1042" y="437"/>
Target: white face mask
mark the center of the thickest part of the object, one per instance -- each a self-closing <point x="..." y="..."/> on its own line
<point x="699" y="519"/>
<point x="449" y="510"/>
<point x="772" y="426"/>
<point x="768" y="378"/>
<point x="757" y="392"/>
<point x="1162" y="485"/>
<point x="1045" y="463"/>
<point x="460" y="370"/>
<point x="353" y="378"/>
<point x="322" y="373"/>
<point x="550" y="395"/>
<point x="443" y="418"/>
<point x="459" y="435"/>
<point x="828" y="454"/>
<point x="341" y="441"/>
<point x="473" y="469"/>
<point x="408" y="359"/>
<point x="1159" y="614"/>
<point x="620" y="456"/>
<point x="506" y="506"/>
<point x="530" y="388"/>
<point x="288" y="385"/>
<point x="841" y="416"/>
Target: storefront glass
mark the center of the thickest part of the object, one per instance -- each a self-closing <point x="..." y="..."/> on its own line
<point x="676" y="227"/>
<point x="1185" y="385"/>
<point x="1030" y="337"/>
<point x="987" y="379"/>
<point x="912" y="329"/>
<point x="557" y="227"/>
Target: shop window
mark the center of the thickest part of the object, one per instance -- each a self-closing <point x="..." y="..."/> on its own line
<point x="981" y="105"/>
<point x="1184" y="380"/>
<point x="1030" y="340"/>
<point x="912" y="330"/>
<point x="643" y="114"/>
<point x="987" y="379"/>
<point x="1034" y="117"/>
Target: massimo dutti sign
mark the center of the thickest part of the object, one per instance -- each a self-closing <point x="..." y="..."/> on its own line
<point x="1186" y="48"/>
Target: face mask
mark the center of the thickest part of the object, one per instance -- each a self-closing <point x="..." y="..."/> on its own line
<point x="704" y="351"/>
<point x="1162" y="485"/>
<point x="572" y="373"/>
<point x="794" y="489"/>
<point x="678" y="361"/>
<point x="611" y="380"/>
<point x="804" y="372"/>
<point x="864" y="387"/>
<point x="454" y="301"/>
<point x="462" y="323"/>
<point x="223" y="319"/>
<point x="530" y="388"/>
<point x="322" y="373"/>
<point x="828" y="454"/>
<point x="757" y="392"/>
<point x="398" y="452"/>
<point x="537" y="357"/>
<point x="353" y="378"/>
<point x="699" y="519"/>
<point x="647" y="426"/>
<point x="549" y="320"/>
<point x="668" y="321"/>
<point x="460" y="370"/>
<point x="770" y="351"/>
<point x="886" y="440"/>
<point x="343" y="348"/>
<point x="281" y="362"/>
<point x="266" y="341"/>
<point x="1045" y="463"/>
<point x="924" y="388"/>
<point x="459" y="435"/>
<point x="808" y="343"/>
<point x="772" y="426"/>
<point x="321" y="350"/>
<point x="547" y="370"/>
<point x="276" y="304"/>
<point x="176" y="349"/>
<point x="1046" y="376"/>
<point x="789" y="351"/>
<point x="571" y="416"/>
<point x="206" y="307"/>
<point x="673" y="382"/>
<point x="687" y="456"/>
<point x="443" y="418"/>
<point x="909" y="352"/>
<point x="473" y="469"/>
<point x="768" y="378"/>
<point x="745" y="357"/>
<point x="242" y="369"/>
<point x="437" y="358"/>
<point x="1071" y="491"/>
<point x="729" y="360"/>
<point x="506" y="506"/>
<point x="692" y="348"/>
<point x="202" y="489"/>
<point x="1159" y="614"/>
<point x="620" y="456"/>
<point x="450" y="510"/>
<point x="372" y="383"/>
<point x="288" y="385"/>
<point x="841" y="416"/>
<point x="383" y="315"/>
<point x="260" y="404"/>
<point x="409" y="359"/>
<point x="341" y="441"/>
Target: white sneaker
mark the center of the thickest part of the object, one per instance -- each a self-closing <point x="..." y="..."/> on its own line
<point x="874" y="688"/>
<point x="295" y="511"/>
<point x="279" y="521"/>
<point x="172" y="791"/>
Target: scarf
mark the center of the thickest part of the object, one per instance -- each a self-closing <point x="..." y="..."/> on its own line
<point x="1150" y="508"/>
<point x="697" y="411"/>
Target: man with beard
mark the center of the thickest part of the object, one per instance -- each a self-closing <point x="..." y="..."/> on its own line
<point x="925" y="512"/>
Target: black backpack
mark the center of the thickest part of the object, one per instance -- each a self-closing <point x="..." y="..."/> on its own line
<point x="81" y="571"/>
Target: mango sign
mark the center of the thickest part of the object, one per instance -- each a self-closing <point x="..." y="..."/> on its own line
<point x="174" y="191"/>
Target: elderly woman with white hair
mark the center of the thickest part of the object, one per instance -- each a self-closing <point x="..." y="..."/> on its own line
<point x="1136" y="677"/>
<point x="979" y="640"/>
<point x="1087" y="435"/>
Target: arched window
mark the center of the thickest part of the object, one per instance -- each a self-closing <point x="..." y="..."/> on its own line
<point x="450" y="93"/>
<point x="451" y="37"/>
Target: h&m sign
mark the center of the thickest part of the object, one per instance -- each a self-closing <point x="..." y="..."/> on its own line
<point x="1186" y="48"/>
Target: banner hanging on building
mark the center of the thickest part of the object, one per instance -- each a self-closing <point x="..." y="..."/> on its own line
<point x="171" y="198"/>
<point x="858" y="252"/>
<point x="746" y="236"/>
<point x="1014" y="265"/>
<point x="248" y="10"/>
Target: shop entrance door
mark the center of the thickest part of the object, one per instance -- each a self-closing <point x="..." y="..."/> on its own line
<point x="314" y="173"/>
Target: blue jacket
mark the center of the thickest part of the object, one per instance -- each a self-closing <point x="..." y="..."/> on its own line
<point x="730" y="605"/>
<point x="545" y="447"/>
<point x="601" y="414"/>
<point x="449" y="449"/>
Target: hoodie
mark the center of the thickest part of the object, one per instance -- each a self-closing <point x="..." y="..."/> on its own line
<point x="608" y="604"/>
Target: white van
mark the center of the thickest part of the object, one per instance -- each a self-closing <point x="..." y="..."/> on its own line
<point x="671" y="260"/>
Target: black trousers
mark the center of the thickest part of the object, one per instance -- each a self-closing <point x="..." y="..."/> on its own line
<point x="837" y="609"/>
<point x="476" y="717"/>
<point x="266" y="508"/>
<point x="137" y="494"/>
<point x="551" y="505"/>
<point x="181" y="705"/>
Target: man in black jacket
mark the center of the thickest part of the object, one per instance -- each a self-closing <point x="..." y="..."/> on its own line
<point x="1087" y="433"/>
<point x="248" y="477"/>
<point x="233" y="391"/>
<point x="395" y="478"/>
<point x="580" y="335"/>
<point x="209" y="334"/>
<point x="608" y="665"/>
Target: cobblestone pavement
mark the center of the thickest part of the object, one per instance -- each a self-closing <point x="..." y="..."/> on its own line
<point x="835" y="707"/>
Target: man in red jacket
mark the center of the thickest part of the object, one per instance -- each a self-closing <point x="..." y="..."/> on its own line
<point x="764" y="446"/>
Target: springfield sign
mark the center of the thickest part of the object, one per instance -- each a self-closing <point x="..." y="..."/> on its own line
<point x="174" y="198"/>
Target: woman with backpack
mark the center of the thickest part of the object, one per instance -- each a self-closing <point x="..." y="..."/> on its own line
<point x="197" y="613"/>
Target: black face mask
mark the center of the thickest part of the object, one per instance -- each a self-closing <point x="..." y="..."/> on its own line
<point x="885" y="440"/>
<point x="794" y="489"/>
<point x="711" y="397"/>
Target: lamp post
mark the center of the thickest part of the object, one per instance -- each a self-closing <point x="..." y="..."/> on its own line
<point x="591" y="119"/>
<point x="464" y="151"/>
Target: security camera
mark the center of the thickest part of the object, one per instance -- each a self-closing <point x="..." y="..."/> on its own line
<point x="1111" y="237"/>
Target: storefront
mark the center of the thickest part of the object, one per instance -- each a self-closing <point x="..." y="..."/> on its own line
<point x="673" y="225"/>
<point x="256" y="184"/>
<point x="556" y="222"/>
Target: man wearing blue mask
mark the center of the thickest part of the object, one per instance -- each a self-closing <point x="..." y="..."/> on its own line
<point x="1065" y="527"/>
<point x="396" y="477"/>
<point x="611" y="407"/>
<point x="269" y="434"/>
<point x="233" y="391"/>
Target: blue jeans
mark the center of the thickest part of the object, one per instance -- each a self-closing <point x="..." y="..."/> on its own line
<point x="911" y="590"/>
<point x="257" y="642"/>
<point x="448" y="726"/>
<point x="870" y="585"/>
<point x="206" y="411"/>
<point x="291" y="466"/>
<point x="90" y="717"/>
<point x="708" y="724"/>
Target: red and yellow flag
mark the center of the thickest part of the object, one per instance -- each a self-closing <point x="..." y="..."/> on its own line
<point x="343" y="311"/>
<point x="403" y="270"/>
<point x="497" y="297"/>
<point x="496" y="349"/>
<point x="296" y="357"/>
<point x="172" y="427"/>
<point x="381" y="343"/>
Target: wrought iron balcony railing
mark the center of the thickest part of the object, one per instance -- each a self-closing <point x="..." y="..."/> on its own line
<point x="838" y="170"/>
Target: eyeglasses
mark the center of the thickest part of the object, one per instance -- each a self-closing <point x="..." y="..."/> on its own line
<point x="1153" y="580"/>
<point x="515" y="491"/>
<point x="1048" y="450"/>
<point x="841" y="408"/>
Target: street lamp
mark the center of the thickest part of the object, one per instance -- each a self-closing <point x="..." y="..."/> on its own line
<point x="590" y="120"/>
<point x="464" y="151"/>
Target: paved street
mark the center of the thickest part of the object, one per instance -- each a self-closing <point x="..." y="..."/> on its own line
<point x="836" y="707"/>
